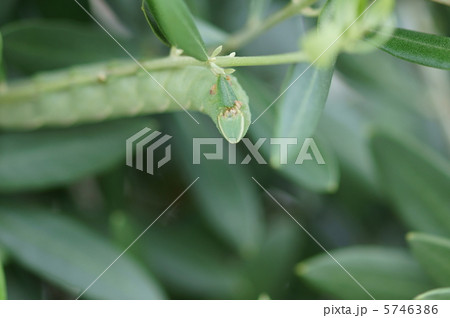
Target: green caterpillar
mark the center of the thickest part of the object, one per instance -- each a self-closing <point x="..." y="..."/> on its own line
<point x="99" y="92"/>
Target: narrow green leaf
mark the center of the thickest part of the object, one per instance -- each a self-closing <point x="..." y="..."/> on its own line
<point x="226" y="194"/>
<point x="153" y="25"/>
<point x="6" y="10"/>
<point x="71" y="256"/>
<point x="34" y="46"/>
<point x="303" y="102"/>
<point x="22" y="285"/>
<point x="420" y="48"/>
<point x="2" y="283"/>
<point x="416" y="179"/>
<point x="435" y="294"/>
<point x="175" y="23"/>
<point x="53" y="157"/>
<point x="386" y="273"/>
<point x="310" y="174"/>
<point x="346" y="131"/>
<point x="298" y="116"/>
<point x="433" y="253"/>
<point x="320" y="178"/>
<point x="204" y="271"/>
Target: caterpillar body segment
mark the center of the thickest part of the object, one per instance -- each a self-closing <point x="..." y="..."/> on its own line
<point x="100" y="92"/>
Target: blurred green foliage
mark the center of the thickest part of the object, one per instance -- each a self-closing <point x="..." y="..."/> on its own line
<point x="69" y="206"/>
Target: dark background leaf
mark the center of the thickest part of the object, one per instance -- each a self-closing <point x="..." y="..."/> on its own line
<point x="416" y="179"/>
<point x="76" y="258"/>
<point x="38" y="45"/>
<point x="53" y="157"/>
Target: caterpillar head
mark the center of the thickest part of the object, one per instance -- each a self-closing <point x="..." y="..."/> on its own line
<point x="231" y="123"/>
<point x="227" y="103"/>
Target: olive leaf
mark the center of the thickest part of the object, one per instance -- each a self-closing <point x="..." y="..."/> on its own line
<point x="152" y="23"/>
<point x="271" y="269"/>
<point x="299" y="113"/>
<point x="54" y="157"/>
<point x="7" y="10"/>
<point x="314" y="176"/>
<point x="173" y="22"/>
<point x="203" y="271"/>
<point x="386" y="273"/>
<point x="57" y="44"/>
<point x="75" y="258"/>
<point x="303" y="102"/>
<point x="435" y="294"/>
<point x="433" y="253"/>
<point x="320" y="178"/>
<point x="420" y="48"/>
